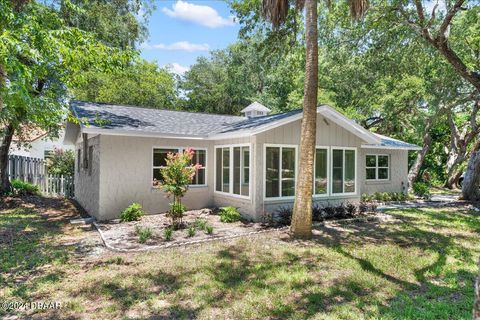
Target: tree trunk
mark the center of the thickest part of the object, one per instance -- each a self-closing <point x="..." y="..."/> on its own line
<point x="302" y="211"/>
<point x="454" y="160"/>
<point x="427" y="142"/>
<point x="452" y="180"/>
<point x="4" y="148"/>
<point x="471" y="182"/>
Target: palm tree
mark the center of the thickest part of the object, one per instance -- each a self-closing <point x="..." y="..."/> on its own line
<point x="277" y="11"/>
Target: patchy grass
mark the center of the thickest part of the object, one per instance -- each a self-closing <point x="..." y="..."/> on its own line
<point x="420" y="267"/>
<point x="445" y="191"/>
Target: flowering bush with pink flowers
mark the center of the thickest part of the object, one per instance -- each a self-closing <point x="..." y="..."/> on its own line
<point x="177" y="175"/>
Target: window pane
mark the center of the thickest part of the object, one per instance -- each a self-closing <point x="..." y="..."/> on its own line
<point x="288" y="172"/>
<point x="200" y="176"/>
<point x="272" y="172"/>
<point x="371" y="173"/>
<point x="382" y="161"/>
<point x="245" y="186"/>
<point x="349" y="171"/>
<point x="226" y="170"/>
<point x="321" y="179"/>
<point x="383" y="173"/>
<point x="337" y="171"/>
<point x="218" y="168"/>
<point x="236" y="170"/>
<point x="159" y="156"/>
<point x="199" y="157"/>
<point x="157" y="177"/>
<point x="371" y="161"/>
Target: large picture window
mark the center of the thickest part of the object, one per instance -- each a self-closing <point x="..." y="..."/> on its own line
<point x="343" y="171"/>
<point x="377" y="167"/>
<point x="232" y="170"/>
<point x="280" y="175"/>
<point x="159" y="161"/>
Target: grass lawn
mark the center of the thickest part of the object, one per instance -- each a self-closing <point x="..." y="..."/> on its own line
<point x="422" y="266"/>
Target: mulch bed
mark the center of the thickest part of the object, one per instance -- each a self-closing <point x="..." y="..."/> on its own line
<point x="122" y="236"/>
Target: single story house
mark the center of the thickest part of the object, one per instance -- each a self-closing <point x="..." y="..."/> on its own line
<point x="250" y="162"/>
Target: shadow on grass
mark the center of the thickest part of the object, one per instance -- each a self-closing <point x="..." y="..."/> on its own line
<point x="28" y="231"/>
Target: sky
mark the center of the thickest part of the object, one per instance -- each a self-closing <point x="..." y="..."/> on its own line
<point x="180" y="31"/>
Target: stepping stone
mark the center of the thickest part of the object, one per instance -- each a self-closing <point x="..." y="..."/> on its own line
<point x="88" y="220"/>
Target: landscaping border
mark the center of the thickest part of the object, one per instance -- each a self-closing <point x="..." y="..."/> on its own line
<point x="184" y="243"/>
<point x="374" y="218"/>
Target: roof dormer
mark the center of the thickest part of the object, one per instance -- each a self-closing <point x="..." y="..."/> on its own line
<point x="255" y="109"/>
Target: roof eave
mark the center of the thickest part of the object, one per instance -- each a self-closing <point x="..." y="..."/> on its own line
<point x="376" y="146"/>
<point x="116" y="132"/>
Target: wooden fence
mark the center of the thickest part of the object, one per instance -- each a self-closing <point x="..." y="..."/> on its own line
<point x="33" y="170"/>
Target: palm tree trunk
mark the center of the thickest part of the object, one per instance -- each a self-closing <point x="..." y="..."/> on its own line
<point x="302" y="212"/>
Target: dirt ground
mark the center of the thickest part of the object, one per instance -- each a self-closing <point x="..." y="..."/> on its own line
<point x="121" y="235"/>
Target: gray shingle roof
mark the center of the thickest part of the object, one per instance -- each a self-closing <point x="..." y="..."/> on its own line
<point x="181" y="123"/>
<point x="145" y="120"/>
<point x="394" y="143"/>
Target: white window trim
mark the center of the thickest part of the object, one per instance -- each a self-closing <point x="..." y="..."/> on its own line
<point x="376" y="155"/>
<point x="322" y="195"/>
<point x="230" y="187"/>
<point x="265" y="146"/>
<point x="181" y="149"/>
<point x="332" y="148"/>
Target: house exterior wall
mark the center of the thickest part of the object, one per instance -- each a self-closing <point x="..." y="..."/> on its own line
<point x="87" y="183"/>
<point x="126" y="175"/>
<point x="123" y="172"/>
<point x="245" y="206"/>
<point x="328" y="134"/>
<point x="398" y="171"/>
<point x="37" y="148"/>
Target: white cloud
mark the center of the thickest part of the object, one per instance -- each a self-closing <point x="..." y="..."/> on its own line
<point x="179" y="46"/>
<point x="177" y="68"/>
<point x="198" y="14"/>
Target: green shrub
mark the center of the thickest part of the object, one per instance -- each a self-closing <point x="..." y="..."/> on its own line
<point x="143" y="233"/>
<point x="229" y="214"/>
<point x="191" y="231"/>
<point x="366" y="197"/>
<point x="200" y="223"/>
<point x="209" y="229"/>
<point x="23" y="188"/>
<point x="168" y="233"/>
<point x="132" y="213"/>
<point x="421" y="189"/>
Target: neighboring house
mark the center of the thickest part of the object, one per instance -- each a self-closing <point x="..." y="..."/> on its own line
<point x="35" y="143"/>
<point x="248" y="162"/>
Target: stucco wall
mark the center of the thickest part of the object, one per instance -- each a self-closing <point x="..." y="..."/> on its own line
<point x="126" y="175"/>
<point x="124" y="172"/>
<point x="87" y="185"/>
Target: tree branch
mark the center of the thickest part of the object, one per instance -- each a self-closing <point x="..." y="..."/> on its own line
<point x="448" y="18"/>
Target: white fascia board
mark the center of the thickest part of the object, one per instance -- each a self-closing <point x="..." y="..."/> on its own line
<point x="113" y="132"/>
<point x="349" y="125"/>
<point x="369" y="146"/>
